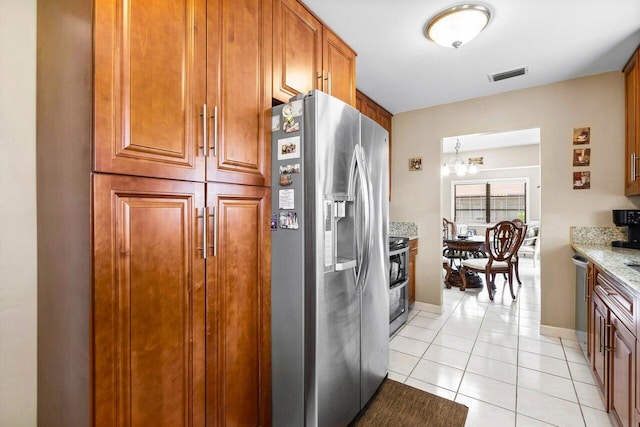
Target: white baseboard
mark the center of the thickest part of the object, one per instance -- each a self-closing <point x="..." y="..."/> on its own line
<point x="431" y="308"/>
<point x="553" y="331"/>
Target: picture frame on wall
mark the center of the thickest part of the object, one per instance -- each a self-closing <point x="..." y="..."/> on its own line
<point x="581" y="136"/>
<point x="582" y="180"/>
<point x="415" y="164"/>
<point x="581" y="156"/>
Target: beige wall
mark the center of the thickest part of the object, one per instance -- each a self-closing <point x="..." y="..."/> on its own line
<point x="18" y="295"/>
<point x="500" y="163"/>
<point x="595" y="101"/>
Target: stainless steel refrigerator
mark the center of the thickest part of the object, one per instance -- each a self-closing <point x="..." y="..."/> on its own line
<point x="330" y="263"/>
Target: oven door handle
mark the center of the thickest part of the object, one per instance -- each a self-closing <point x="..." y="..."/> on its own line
<point x="398" y="251"/>
<point x="400" y="285"/>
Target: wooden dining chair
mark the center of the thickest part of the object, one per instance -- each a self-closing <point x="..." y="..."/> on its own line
<point x="516" y="259"/>
<point x="448" y="229"/>
<point x="501" y="242"/>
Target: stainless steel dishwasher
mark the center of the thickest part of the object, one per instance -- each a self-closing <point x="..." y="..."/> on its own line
<point x="581" y="301"/>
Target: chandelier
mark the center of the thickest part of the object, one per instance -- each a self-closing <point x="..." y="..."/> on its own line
<point x="458" y="165"/>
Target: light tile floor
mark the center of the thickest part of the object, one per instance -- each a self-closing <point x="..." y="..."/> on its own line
<point x="491" y="357"/>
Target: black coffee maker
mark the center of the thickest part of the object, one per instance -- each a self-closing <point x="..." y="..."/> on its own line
<point x="631" y="220"/>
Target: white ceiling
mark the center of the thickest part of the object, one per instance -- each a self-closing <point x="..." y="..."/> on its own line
<point x="402" y="70"/>
<point x="490" y="141"/>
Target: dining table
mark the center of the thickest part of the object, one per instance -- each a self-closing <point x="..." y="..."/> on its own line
<point x="461" y="248"/>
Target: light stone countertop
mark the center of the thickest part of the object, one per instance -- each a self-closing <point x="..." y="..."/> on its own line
<point x="403" y="229"/>
<point x="612" y="261"/>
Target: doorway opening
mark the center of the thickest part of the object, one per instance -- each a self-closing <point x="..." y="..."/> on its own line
<point x="490" y="177"/>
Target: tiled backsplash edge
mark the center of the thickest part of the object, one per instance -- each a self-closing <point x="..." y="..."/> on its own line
<point x="403" y="229"/>
<point x="597" y="235"/>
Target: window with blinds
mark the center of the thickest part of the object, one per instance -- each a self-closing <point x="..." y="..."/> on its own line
<point x="490" y="201"/>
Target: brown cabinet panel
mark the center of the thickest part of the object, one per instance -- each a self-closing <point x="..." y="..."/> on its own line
<point x="632" y="125"/>
<point x="149" y="84"/>
<point x="590" y="328"/>
<point x="375" y="111"/>
<point x="148" y="303"/>
<point x="413" y="252"/>
<point x="239" y="90"/>
<point x="297" y="50"/>
<point x="599" y="360"/>
<point x="339" y="63"/>
<point x="238" y="316"/>
<point x="637" y="385"/>
<point x="621" y="387"/>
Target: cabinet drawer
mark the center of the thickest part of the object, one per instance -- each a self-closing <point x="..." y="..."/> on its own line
<point x="619" y="300"/>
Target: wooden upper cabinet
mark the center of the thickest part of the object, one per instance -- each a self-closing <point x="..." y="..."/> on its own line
<point x="339" y="64"/>
<point x="158" y="64"/>
<point x="307" y="55"/>
<point x="149" y="87"/>
<point x="239" y="296"/>
<point x="297" y="50"/>
<point x="148" y="302"/>
<point x="239" y="62"/>
<point x="632" y="126"/>
<point x="375" y="111"/>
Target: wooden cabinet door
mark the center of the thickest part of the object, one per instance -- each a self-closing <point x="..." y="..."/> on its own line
<point x="385" y="121"/>
<point x="148" y="325"/>
<point x="621" y="386"/>
<point x="297" y="50"/>
<point x="599" y="362"/>
<point x="637" y="385"/>
<point x="413" y="252"/>
<point x="590" y="326"/>
<point x="239" y="91"/>
<point x="632" y="125"/>
<point x="339" y="64"/>
<point x="149" y="86"/>
<point x="238" y="306"/>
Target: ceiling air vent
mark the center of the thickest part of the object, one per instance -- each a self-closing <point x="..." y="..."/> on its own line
<point x="508" y="74"/>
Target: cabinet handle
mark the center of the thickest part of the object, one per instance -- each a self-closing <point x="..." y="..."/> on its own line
<point x="599" y="334"/>
<point x="214" y="244"/>
<point x="204" y="233"/>
<point x="607" y="337"/>
<point x="215" y="131"/>
<point x="205" y="132"/>
<point x="633" y="166"/>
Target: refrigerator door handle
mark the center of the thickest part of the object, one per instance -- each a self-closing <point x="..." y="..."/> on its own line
<point x="351" y="196"/>
<point x="365" y="247"/>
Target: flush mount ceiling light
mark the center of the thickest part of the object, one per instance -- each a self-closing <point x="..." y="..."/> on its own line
<point x="458" y="25"/>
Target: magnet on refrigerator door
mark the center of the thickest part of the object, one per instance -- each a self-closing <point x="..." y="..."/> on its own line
<point x="286" y="199"/>
<point x="289" y="220"/>
<point x="289" y="148"/>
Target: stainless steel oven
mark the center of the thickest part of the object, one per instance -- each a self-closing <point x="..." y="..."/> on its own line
<point x="398" y="281"/>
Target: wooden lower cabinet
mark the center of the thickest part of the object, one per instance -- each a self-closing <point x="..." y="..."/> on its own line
<point x="180" y="340"/>
<point x="622" y="359"/>
<point x="238" y="306"/>
<point x="599" y="360"/>
<point x="637" y="390"/>
<point x="613" y="347"/>
<point x="413" y="252"/>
